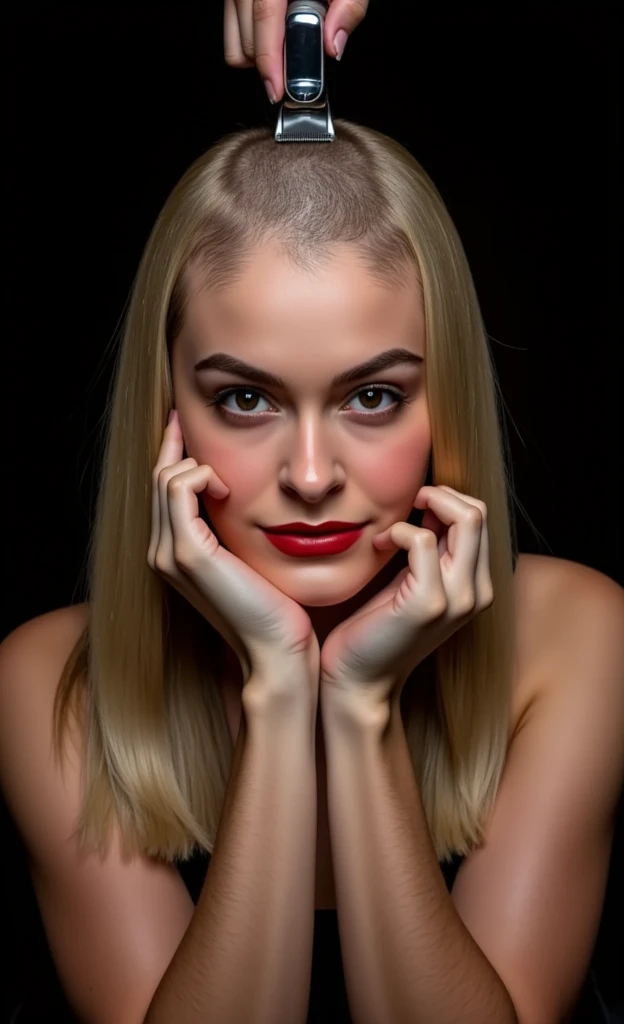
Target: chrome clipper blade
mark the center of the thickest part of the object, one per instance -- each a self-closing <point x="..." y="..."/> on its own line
<point x="304" y="114"/>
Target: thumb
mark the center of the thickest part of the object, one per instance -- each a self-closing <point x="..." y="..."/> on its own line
<point x="343" y="16"/>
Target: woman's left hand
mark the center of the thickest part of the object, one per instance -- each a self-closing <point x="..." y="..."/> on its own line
<point x="370" y="656"/>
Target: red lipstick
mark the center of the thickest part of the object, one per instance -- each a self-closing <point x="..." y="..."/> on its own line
<point x="331" y="526"/>
<point x="306" y="539"/>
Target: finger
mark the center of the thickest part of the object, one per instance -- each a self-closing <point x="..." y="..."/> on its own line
<point x="172" y="444"/>
<point x="183" y="507"/>
<point x="237" y="40"/>
<point x="382" y="597"/>
<point x="483" y="578"/>
<point x="420" y="598"/>
<point x="345" y="15"/>
<point x="170" y="452"/>
<point x="465" y="521"/>
<point x="269" y="28"/>
<point x="423" y="557"/>
<point x="165" y="550"/>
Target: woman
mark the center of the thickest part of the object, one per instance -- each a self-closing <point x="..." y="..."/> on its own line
<point x="342" y="730"/>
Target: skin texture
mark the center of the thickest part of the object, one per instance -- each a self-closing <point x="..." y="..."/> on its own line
<point x="307" y="453"/>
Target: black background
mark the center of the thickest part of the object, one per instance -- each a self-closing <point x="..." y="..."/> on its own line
<point x="511" y="110"/>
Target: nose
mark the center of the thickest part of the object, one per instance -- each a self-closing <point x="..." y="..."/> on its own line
<point x="309" y="465"/>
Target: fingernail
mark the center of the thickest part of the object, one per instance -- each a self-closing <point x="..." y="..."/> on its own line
<point x="270" y="90"/>
<point x="340" y="41"/>
<point x="170" y="417"/>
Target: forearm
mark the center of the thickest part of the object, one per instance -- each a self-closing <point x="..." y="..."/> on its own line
<point x="247" y="953"/>
<point x="407" y="956"/>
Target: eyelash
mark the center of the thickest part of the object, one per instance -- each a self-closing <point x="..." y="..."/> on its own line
<point x="401" y="399"/>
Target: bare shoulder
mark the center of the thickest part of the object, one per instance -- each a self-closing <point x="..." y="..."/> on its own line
<point x="543" y="572"/>
<point x="567" y="614"/>
<point x="112" y="924"/>
<point x="35" y="653"/>
<point x="532" y="894"/>
<point x="53" y="633"/>
<point x="564" y="606"/>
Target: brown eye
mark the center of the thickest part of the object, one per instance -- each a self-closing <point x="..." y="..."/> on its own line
<point x="246" y="399"/>
<point x="372" y="394"/>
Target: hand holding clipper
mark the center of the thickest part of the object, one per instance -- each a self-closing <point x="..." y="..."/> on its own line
<point x="253" y="37"/>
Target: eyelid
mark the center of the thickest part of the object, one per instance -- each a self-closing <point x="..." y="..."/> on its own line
<point x="397" y="393"/>
<point x="258" y="390"/>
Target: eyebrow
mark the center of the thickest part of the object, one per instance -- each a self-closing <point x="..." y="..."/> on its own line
<point x="229" y="364"/>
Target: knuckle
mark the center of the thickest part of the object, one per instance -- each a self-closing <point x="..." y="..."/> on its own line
<point x="161" y="563"/>
<point x="427" y="540"/>
<point x="473" y="516"/>
<point x="465" y="603"/>
<point x="437" y="607"/>
<point x="240" y="60"/>
<point x="183" y="555"/>
<point x="354" y="9"/>
<point x="174" y="485"/>
<point x="262" y="9"/>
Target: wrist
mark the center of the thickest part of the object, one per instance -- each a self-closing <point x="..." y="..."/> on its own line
<point x="353" y="711"/>
<point x="279" y="697"/>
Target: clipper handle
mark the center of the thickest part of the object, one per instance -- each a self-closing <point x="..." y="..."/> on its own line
<point x="304" y="114"/>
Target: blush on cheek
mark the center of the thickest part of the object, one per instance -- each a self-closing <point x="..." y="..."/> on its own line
<point x="396" y="476"/>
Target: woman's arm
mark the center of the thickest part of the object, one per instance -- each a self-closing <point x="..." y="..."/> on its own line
<point x="247" y="953"/>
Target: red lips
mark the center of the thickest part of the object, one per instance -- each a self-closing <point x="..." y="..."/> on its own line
<point x="309" y="545"/>
<point x="331" y="526"/>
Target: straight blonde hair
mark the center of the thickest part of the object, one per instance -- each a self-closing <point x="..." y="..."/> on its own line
<point x="158" y="749"/>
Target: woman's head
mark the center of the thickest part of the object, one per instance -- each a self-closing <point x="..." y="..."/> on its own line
<point x="303" y="260"/>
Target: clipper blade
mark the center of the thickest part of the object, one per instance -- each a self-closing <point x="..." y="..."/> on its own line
<point x="304" y="114"/>
<point x="295" y="124"/>
<point x="304" y="138"/>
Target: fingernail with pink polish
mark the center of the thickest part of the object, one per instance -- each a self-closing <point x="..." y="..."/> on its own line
<point x="340" y="41"/>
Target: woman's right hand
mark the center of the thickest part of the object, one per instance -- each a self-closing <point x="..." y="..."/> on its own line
<point x="270" y="633"/>
<point x="253" y="35"/>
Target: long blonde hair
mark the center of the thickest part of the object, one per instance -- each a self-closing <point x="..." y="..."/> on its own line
<point x="158" y="746"/>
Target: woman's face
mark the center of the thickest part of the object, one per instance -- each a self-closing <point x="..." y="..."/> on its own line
<point x="306" y="450"/>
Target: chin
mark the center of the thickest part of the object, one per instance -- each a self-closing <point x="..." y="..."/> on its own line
<point x="321" y="597"/>
<point x="323" y="593"/>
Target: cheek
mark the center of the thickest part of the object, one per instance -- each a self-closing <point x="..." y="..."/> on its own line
<point x="240" y="468"/>
<point x="395" y="472"/>
<point x="388" y="474"/>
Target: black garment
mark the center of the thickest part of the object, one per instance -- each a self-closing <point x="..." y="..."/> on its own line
<point x="328" y="997"/>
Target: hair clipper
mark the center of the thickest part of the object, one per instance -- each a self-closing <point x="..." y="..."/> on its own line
<point x="304" y="114"/>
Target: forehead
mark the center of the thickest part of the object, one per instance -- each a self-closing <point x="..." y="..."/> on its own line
<point x="276" y="306"/>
